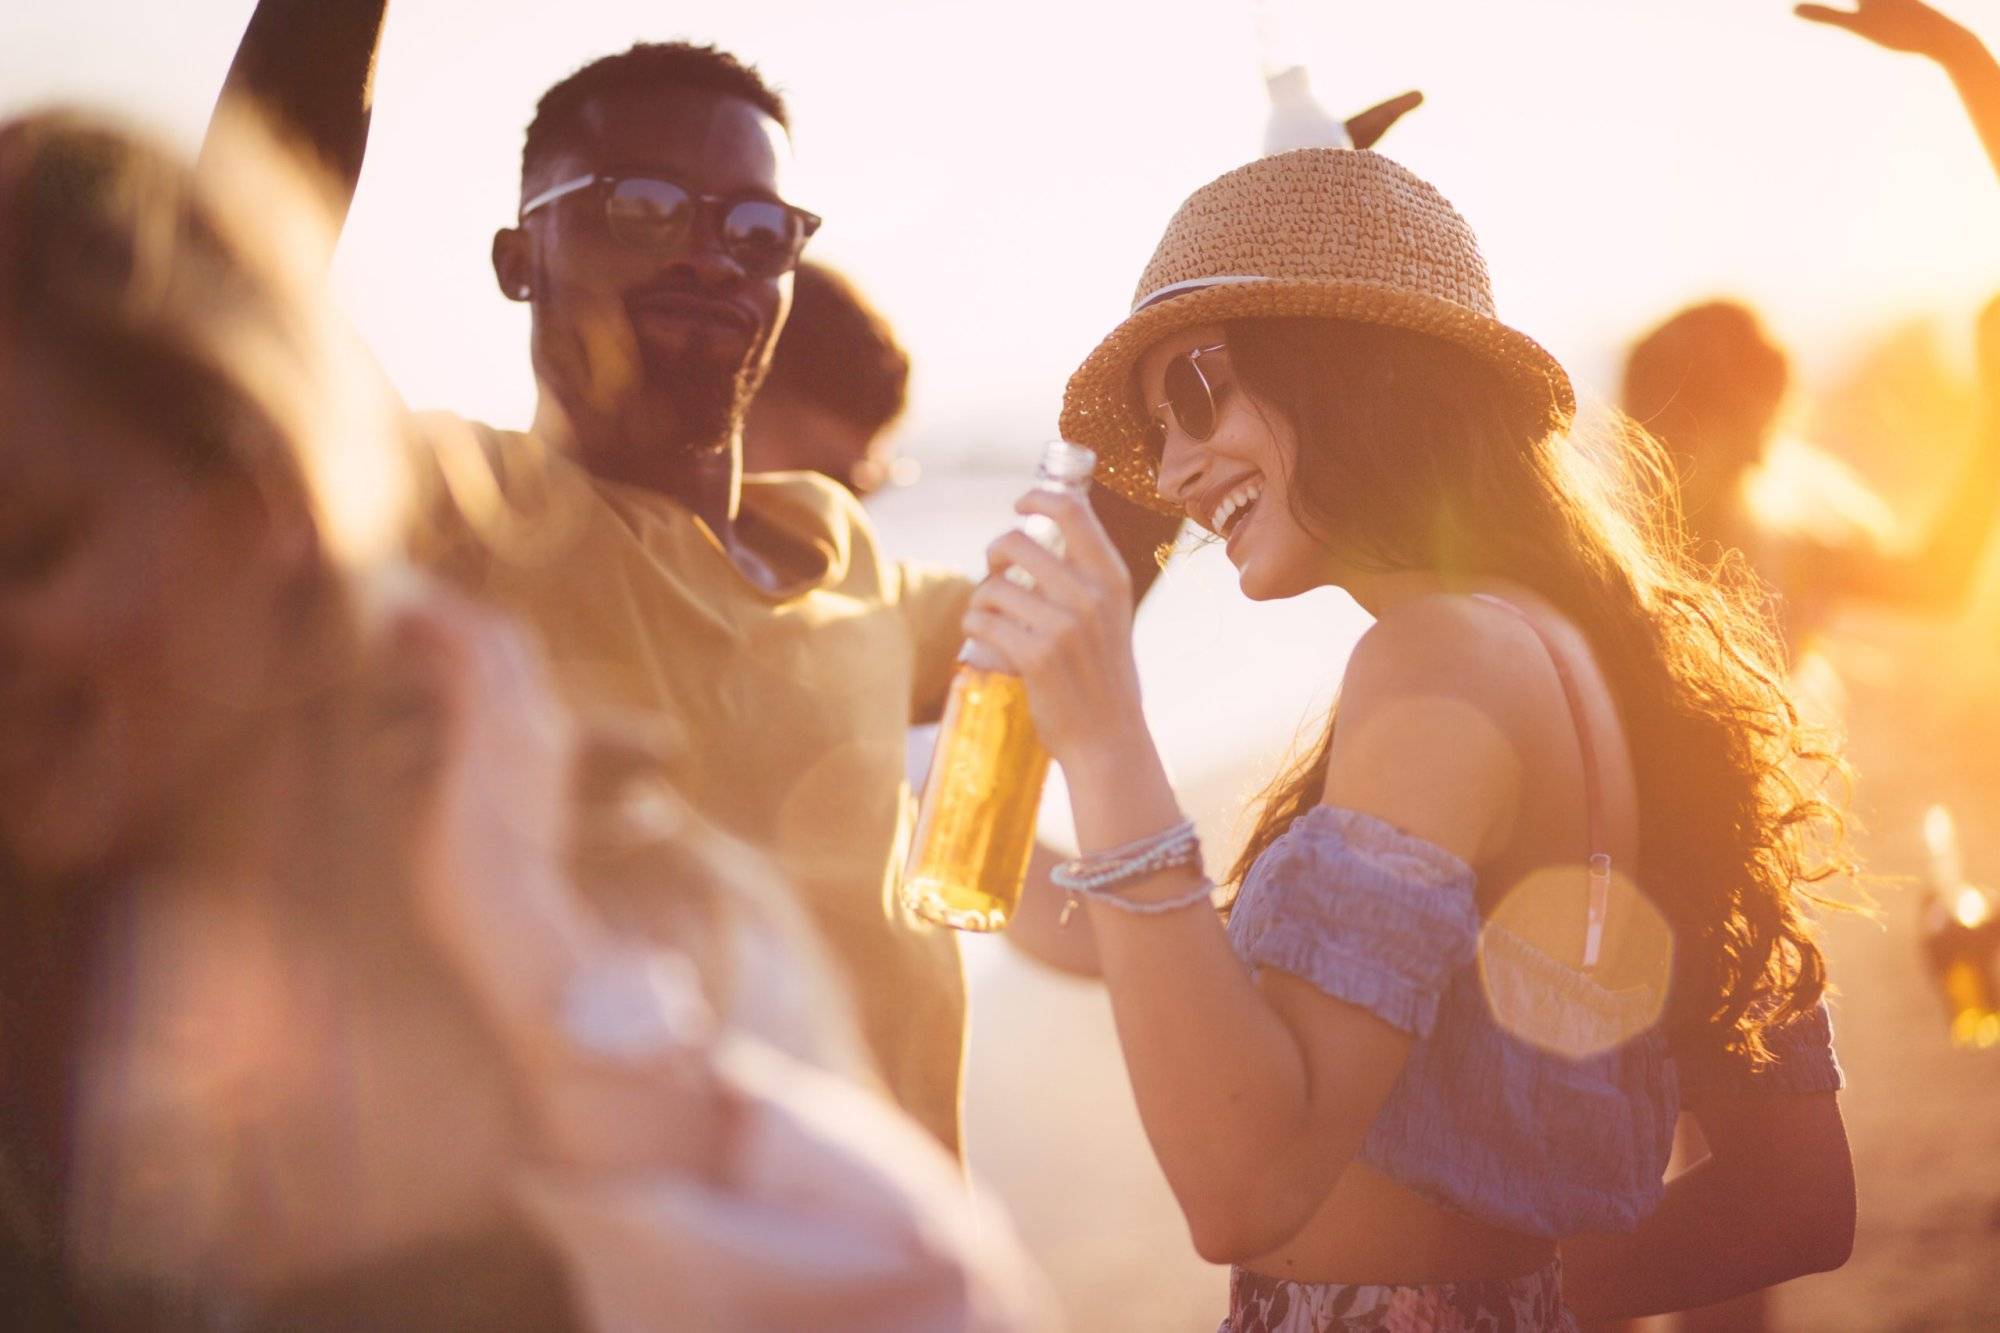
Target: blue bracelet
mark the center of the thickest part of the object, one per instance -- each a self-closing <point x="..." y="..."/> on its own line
<point x="1205" y="893"/>
<point x="1135" y="860"/>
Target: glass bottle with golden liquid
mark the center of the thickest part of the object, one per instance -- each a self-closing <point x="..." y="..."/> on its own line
<point x="976" y="826"/>
<point x="1961" y="933"/>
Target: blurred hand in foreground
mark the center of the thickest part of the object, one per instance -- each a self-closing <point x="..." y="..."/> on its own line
<point x="497" y="900"/>
<point x="497" y="762"/>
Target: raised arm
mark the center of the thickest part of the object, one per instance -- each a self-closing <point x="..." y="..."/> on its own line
<point x="1913" y="27"/>
<point x="309" y="67"/>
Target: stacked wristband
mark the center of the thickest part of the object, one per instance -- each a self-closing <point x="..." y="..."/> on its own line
<point x="1101" y="875"/>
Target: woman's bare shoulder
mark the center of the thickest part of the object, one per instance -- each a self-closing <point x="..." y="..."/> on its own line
<point x="1432" y="711"/>
<point x="1448" y="644"/>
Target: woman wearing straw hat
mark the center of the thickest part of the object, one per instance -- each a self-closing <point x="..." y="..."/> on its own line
<point x="1544" y="881"/>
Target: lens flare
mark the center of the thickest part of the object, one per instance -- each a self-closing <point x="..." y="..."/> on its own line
<point x="1529" y="953"/>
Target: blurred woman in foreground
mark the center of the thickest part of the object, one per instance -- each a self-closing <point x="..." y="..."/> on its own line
<point x="1545" y="878"/>
<point x="302" y="1023"/>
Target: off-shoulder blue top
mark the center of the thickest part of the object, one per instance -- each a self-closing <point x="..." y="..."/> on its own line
<point x="1563" y="1133"/>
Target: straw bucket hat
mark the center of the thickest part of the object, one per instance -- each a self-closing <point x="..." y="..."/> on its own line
<point x="1338" y="233"/>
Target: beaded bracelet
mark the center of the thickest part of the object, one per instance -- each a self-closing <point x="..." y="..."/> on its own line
<point x="1203" y="893"/>
<point x="1098" y="874"/>
<point x="1134" y="860"/>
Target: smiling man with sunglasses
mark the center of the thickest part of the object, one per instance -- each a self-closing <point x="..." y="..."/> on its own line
<point x="654" y="247"/>
<point x="751" y="618"/>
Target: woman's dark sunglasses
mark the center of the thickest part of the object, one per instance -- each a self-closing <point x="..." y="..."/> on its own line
<point x="1190" y="397"/>
<point x="763" y="236"/>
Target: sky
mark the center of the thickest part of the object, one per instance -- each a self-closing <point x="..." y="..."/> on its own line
<point x="995" y="176"/>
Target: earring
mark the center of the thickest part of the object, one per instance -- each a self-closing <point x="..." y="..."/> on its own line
<point x="521" y="292"/>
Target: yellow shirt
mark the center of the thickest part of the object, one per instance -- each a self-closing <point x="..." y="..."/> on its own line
<point x="789" y="710"/>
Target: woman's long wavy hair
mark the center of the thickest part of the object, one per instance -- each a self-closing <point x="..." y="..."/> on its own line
<point x="1408" y="458"/>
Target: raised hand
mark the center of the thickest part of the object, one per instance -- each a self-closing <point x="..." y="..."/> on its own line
<point x="1908" y="25"/>
<point x="1895" y="25"/>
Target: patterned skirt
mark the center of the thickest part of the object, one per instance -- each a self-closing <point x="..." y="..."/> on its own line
<point x="1530" y="1304"/>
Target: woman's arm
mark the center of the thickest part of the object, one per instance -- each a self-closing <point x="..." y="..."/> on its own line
<point x="1255" y="1088"/>
<point x="1774" y="1200"/>
<point x="308" y="66"/>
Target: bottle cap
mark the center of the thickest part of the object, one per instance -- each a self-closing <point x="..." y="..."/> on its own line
<point x="1070" y="464"/>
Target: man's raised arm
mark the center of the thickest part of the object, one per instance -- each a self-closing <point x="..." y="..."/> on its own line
<point x="308" y="66"/>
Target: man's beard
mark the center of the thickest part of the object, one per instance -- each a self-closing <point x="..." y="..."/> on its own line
<point x="631" y="403"/>
<point x="704" y="400"/>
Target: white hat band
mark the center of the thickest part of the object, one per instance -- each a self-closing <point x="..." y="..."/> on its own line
<point x="1195" y="284"/>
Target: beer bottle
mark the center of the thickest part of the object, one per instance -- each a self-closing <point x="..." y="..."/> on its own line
<point x="976" y="826"/>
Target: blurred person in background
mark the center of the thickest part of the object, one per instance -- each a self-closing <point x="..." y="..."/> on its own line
<point x="1711" y="384"/>
<point x="1543" y="880"/>
<point x="838" y="381"/>
<point x="345" y="980"/>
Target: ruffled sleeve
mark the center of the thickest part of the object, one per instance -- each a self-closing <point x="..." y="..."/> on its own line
<point x="1363" y="911"/>
<point x="1802" y="1061"/>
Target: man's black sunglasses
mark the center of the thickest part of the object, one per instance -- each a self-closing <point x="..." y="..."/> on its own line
<point x="764" y="236"/>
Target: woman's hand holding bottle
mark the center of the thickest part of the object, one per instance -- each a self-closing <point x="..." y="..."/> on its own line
<point x="1069" y="635"/>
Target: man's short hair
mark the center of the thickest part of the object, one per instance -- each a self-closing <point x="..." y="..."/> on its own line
<point x="646" y="65"/>
<point x="839" y="354"/>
